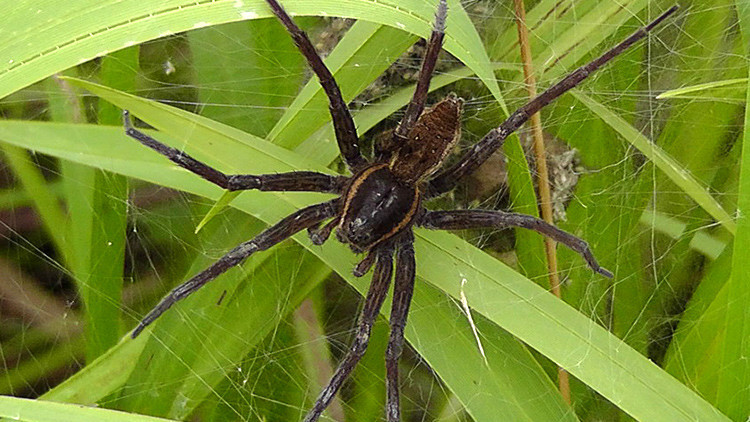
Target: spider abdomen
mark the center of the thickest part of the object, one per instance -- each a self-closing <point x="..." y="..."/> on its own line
<point x="429" y="142"/>
<point x="377" y="205"/>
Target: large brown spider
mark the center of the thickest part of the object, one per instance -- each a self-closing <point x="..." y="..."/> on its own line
<point x="382" y="200"/>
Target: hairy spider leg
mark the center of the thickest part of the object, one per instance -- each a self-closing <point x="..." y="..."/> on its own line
<point x="381" y="279"/>
<point x="282" y="230"/>
<point x="364" y="265"/>
<point x="447" y="179"/>
<point x="389" y="142"/>
<point x="319" y="235"/>
<point x="470" y="219"/>
<point x="343" y="124"/>
<point x="306" y="181"/>
<point x="403" y="288"/>
<point x="416" y="105"/>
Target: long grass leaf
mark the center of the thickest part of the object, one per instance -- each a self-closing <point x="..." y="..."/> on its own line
<point x="109" y="217"/>
<point x="676" y="172"/>
<point x="107" y="374"/>
<point x="733" y="396"/>
<point x="44" y="200"/>
<point x="43" y="411"/>
<point x="53" y="37"/>
<point x="682" y="92"/>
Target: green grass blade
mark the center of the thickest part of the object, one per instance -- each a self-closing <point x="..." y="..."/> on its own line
<point x="670" y="167"/>
<point x="682" y="92"/>
<point x="239" y="83"/>
<point x="44" y="200"/>
<point x="65" y="35"/>
<point x="44" y="411"/>
<point x="702" y="241"/>
<point x="108" y="213"/>
<point x="733" y="396"/>
<point x="49" y="361"/>
<point x="694" y="355"/>
<point x="101" y="377"/>
<point x="12" y="198"/>
<point x="226" y="198"/>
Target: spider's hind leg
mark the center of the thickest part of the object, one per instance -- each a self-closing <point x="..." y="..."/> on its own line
<point x="282" y="230"/>
<point x="381" y="279"/>
<point x="470" y="219"/>
<point x="403" y="288"/>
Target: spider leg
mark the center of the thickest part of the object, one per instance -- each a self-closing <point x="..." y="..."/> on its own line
<point x="468" y="219"/>
<point x="364" y="265"/>
<point x="416" y="105"/>
<point x="319" y="235"/>
<point x="491" y="142"/>
<point x="282" y="230"/>
<point x="343" y="124"/>
<point x="403" y="287"/>
<point x="308" y="181"/>
<point x="374" y="300"/>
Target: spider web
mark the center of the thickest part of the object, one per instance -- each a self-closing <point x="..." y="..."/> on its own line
<point x="669" y="255"/>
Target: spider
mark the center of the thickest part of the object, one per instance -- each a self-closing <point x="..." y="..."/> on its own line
<point x="381" y="202"/>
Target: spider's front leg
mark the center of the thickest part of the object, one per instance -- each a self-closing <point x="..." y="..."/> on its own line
<point x="473" y="219"/>
<point x="416" y="105"/>
<point x="305" y="181"/>
<point x="343" y="124"/>
<point x="282" y="230"/>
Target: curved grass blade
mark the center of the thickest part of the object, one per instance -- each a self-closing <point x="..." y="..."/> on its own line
<point x="684" y="91"/>
<point x="112" y="369"/>
<point x="38" y="41"/>
<point x="733" y="396"/>
<point x="44" y="411"/>
<point x="679" y="175"/>
<point x="226" y="198"/>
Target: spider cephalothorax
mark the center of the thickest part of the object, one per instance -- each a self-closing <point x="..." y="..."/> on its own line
<point x="379" y="205"/>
